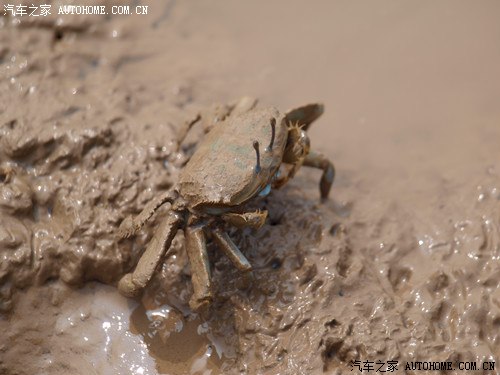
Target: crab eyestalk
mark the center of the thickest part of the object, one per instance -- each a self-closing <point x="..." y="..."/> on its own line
<point x="273" y="134"/>
<point x="256" y="147"/>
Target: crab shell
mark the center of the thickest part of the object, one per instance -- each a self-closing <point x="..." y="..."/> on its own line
<point x="223" y="171"/>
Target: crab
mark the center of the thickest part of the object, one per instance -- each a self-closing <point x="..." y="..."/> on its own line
<point x="242" y="156"/>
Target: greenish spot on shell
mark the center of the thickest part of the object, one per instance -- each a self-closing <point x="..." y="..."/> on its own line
<point x="217" y="145"/>
<point x="238" y="151"/>
<point x="240" y="164"/>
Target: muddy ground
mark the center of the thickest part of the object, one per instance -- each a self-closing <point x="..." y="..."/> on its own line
<point x="402" y="263"/>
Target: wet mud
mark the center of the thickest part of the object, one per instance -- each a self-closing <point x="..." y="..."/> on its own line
<point x="402" y="263"/>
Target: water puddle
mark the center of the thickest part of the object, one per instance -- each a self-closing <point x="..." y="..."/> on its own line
<point x="179" y="344"/>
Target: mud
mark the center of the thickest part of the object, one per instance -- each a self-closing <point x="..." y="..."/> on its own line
<point x="401" y="264"/>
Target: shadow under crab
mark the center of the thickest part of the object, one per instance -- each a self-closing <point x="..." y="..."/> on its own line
<point x="228" y="169"/>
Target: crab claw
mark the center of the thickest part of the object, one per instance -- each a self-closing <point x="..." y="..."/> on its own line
<point x="305" y="115"/>
<point x="254" y="219"/>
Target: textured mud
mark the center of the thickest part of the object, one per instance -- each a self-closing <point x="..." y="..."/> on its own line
<point x="402" y="264"/>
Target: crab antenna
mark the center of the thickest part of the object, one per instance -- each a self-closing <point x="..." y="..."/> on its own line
<point x="273" y="133"/>
<point x="256" y="147"/>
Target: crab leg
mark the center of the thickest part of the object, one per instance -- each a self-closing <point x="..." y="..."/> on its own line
<point x="243" y="105"/>
<point x="317" y="160"/>
<point x="200" y="268"/>
<point x="218" y="113"/>
<point x="131" y="284"/>
<point x="231" y="250"/>
<point x="130" y="226"/>
<point x="313" y="160"/>
<point x="186" y="128"/>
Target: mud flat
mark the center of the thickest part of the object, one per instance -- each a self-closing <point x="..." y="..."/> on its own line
<point x="402" y="264"/>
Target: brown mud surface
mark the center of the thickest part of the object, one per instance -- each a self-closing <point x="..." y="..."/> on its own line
<point x="402" y="263"/>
